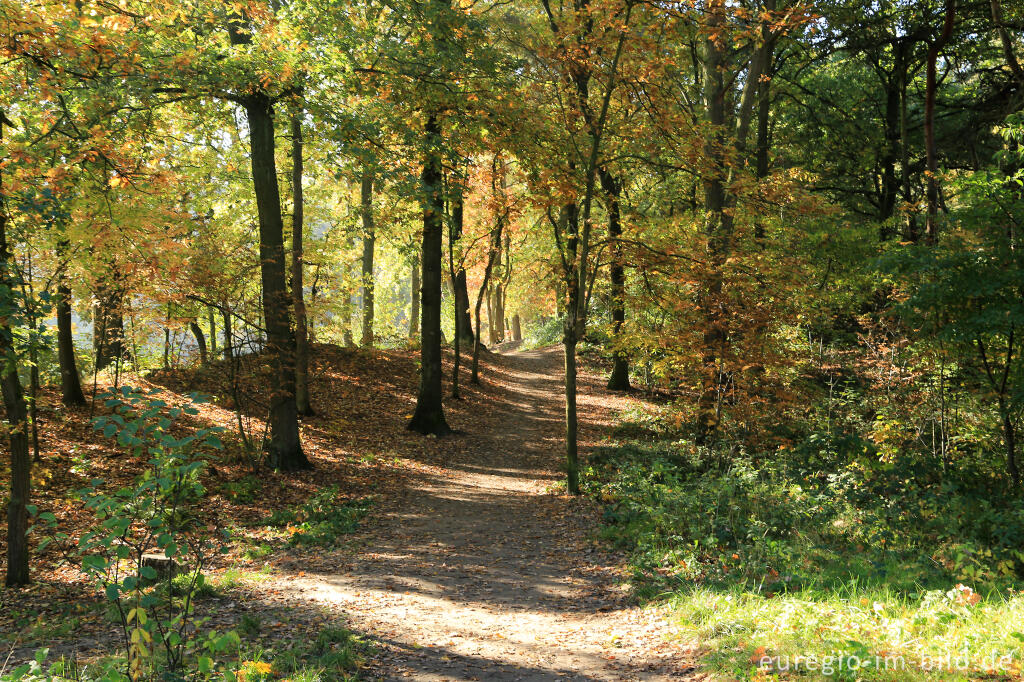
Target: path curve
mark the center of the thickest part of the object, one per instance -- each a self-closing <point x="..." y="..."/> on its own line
<point x="481" y="572"/>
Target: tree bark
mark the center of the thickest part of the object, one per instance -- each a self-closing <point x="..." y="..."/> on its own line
<point x="197" y="331"/>
<point x="619" y="379"/>
<point x="718" y="226"/>
<point x="70" y="381"/>
<point x="302" y="402"/>
<point x="454" y="234"/>
<point x="369" y="242"/>
<point x="212" y="321"/>
<point x="108" y="322"/>
<point x="428" y="417"/>
<point x="17" y="414"/>
<point x="517" y="328"/>
<point x="284" y="451"/>
<point x="414" y="306"/>
<point x="229" y="352"/>
<point x="931" y="85"/>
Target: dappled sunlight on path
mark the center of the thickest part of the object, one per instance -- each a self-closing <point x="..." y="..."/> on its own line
<point x="481" y="571"/>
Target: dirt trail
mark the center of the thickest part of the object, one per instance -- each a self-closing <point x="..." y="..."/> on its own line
<point x="479" y="572"/>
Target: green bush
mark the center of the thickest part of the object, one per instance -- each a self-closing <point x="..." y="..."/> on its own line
<point x="154" y="604"/>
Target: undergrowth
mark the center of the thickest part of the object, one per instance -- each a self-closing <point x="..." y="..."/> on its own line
<point x="769" y="557"/>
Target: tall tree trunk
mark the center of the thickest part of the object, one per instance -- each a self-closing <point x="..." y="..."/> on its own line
<point x="619" y="379"/>
<point x="302" y="403"/>
<point x="1010" y="440"/>
<point x="197" y="331"/>
<point x="428" y="417"/>
<point x="414" y="302"/>
<point x="454" y="234"/>
<point x="369" y="242"/>
<point x="229" y="352"/>
<point x="17" y="413"/>
<point x="890" y="183"/>
<point x="284" y="451"/>
<point x="931" y="77"/>
<point x="212" y="321"/>
<point x="70" y="381"/>
<point x="573" y="327"/>
<point x="517" y="328"/>
<point x="762" y="153"/>
<point x="718" y="227"/>
<point x="108" y="322"/>
<point x="492" y="255"/>
<point x="911" y="219"/>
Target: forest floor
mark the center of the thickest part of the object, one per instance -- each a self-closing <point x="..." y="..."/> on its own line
<point x="482" y="570"/>
<point x="471" y="563"/>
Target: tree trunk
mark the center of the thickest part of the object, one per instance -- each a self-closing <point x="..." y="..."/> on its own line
<point x="197" y="331"/>
<point x="718" y="227"/>
<point x="572" y="465"/>
<point x="428" y="417"/>
<point x="212" y="321"/>
<point x="17" y="416"/>
<point x="284" y="451"/>
<point x="764" y="99"/>
<point x="911" y="234"/>
<point x="890" y="184"/>
<point x="369" y="241"/>
<point x="108" y="322"/>
<point x="229" y="352"/>
<point x="517" y="329"/>
<point x="1010" y="438"/>
<point x="70" y="381"/>
<point x="494" y="249"/>
<point x="932" y="187"/>
<point x="455" y="233"/>
<point x="414" y="304"/>
<point x="302" y="403"/>
<point x="619" y="379"/>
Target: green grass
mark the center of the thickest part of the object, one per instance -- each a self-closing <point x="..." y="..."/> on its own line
<point x="738" y="627"/>
<point x="322" y="520"/>
<point x="335" y="655"/>
<point x="768" y="556"/>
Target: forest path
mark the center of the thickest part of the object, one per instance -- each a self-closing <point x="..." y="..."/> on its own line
<point x="481" y="572"/>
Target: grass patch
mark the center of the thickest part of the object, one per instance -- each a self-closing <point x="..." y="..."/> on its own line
<point x="769" y="557"/>
<point x="322" y="520"/>
<point x="334" y="655"/>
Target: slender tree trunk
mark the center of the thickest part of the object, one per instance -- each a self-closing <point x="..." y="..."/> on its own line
<point x="517" y="329"/>
<point x="229" y="352"/>
<point x="414" y="304"/>
<point x="571" y="429"/>
<point x="108" y="322"/>
<point x="302" y="403"/>
<point x="284" y="451"/>
<point x="911" y="220"/>
<point x="492" y="256"/>
<point x="369" y="242"/>
<point x="932" y="187"/>
<point x="212" y="321"/>
<point x="764" y="99"/>
<point x="17" y="414"/>
<point x="455" y="233"/>
<point x="718" y="226"/>
<point x="197" y="331"/>
<point x="70" y="381"/>
<point x="428" y="417"/>
<point x="890" y="184"/>
<point x="1010" y="441"/>
<point x="619" y="379"/>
